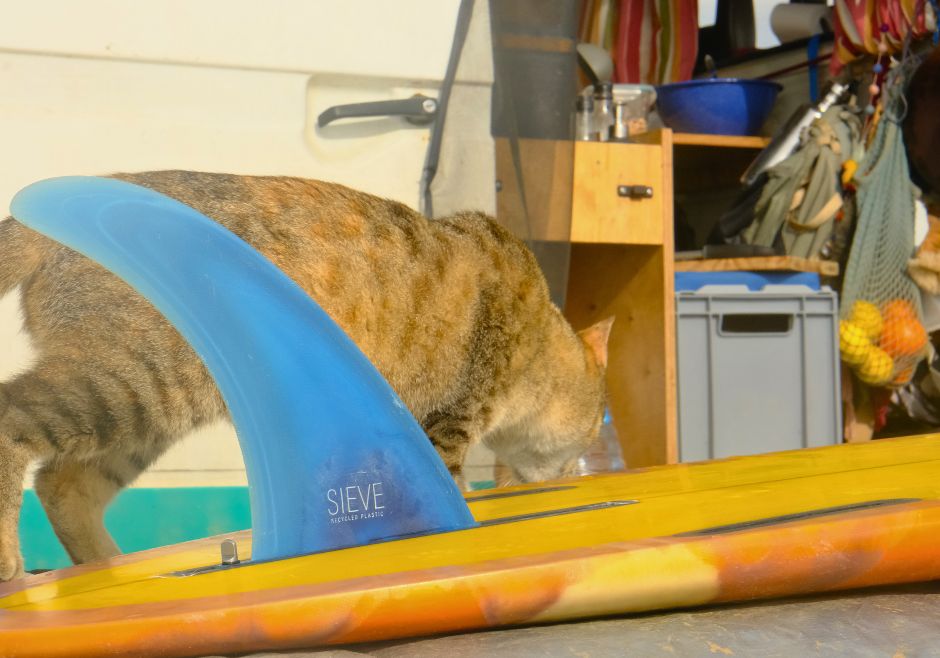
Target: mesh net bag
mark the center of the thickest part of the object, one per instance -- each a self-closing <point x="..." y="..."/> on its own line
<point x="881" y="331"/>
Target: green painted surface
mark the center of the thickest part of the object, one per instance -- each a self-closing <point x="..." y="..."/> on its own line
<point x="142" y="518"/>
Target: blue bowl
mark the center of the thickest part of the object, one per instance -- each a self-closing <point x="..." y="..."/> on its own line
<point x="717" y="106"/>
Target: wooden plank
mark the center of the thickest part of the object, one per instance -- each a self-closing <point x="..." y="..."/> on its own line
<point x="725" y="141"/>
<point x="598" y="213"/>
<point x="761" y="264"/>
<point x="670" y="419"/>
<point x="627" y="282"/>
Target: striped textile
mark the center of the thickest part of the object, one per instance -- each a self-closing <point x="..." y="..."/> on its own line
<point x="652" y="41"/>
<point x="860" y="25"/>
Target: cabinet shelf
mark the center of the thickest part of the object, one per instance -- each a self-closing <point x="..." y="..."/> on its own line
<point x="763" y="263"/>
<point x="726" y="141"/>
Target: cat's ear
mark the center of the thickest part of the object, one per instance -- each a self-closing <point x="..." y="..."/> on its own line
<point x="595" y="337"/>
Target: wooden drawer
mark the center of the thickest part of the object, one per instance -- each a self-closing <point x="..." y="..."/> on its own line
<point x="598" y="213"/>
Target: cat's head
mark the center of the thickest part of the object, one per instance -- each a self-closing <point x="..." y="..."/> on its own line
<point x="572" y="397"/>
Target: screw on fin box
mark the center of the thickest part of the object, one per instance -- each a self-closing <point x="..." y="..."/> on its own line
<point x="229" y="552"/>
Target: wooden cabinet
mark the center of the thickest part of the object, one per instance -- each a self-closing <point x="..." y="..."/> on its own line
<point x="621" y="260"/>
<point x="622" y="266"/>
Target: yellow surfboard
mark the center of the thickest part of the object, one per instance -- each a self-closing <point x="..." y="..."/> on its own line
<point x="692" y="534"/>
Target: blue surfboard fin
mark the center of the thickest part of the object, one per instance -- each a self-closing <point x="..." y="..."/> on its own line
<point x="333" y="457"/>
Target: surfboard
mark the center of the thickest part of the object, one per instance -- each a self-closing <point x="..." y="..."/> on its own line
<point x="764" y="526"/>
<point x="359" y="533"/>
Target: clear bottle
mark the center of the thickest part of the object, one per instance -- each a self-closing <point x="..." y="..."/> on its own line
<point x="584" y="129"/>
<point x="605" y="454"/>
<point x="603" y="110"/>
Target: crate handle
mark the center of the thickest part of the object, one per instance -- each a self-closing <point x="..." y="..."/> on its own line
<point x="759" y="323"/>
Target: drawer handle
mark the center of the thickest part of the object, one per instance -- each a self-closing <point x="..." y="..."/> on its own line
<point x="635" y="191"/>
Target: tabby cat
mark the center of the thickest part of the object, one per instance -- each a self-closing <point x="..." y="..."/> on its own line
<point x="453" y="312"/>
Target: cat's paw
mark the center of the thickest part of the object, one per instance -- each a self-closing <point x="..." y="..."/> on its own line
<point x="11" y="566"/>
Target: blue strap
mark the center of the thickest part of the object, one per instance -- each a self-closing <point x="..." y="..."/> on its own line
<point x="812" y="52"/>
<point x="334" y="458"/>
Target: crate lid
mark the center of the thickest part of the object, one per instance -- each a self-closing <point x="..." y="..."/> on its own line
<point x="692" y="281"/>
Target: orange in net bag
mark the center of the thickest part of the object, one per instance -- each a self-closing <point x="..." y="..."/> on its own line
<point x="882" y="344"/>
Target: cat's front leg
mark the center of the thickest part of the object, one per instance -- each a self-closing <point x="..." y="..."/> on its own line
<point x="13" y="462"/>
<point x="74" y="495"/>
<point x="452" y="435"/>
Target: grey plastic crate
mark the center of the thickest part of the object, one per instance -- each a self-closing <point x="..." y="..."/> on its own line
<point x="758" y="370"/>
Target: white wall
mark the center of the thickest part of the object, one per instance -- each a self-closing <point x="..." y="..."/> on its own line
<point x="100" y="86"/>
<point x="764" y="35"/>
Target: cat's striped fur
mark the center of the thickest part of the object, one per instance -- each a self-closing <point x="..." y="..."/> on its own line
<point x="454" y="312"/>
